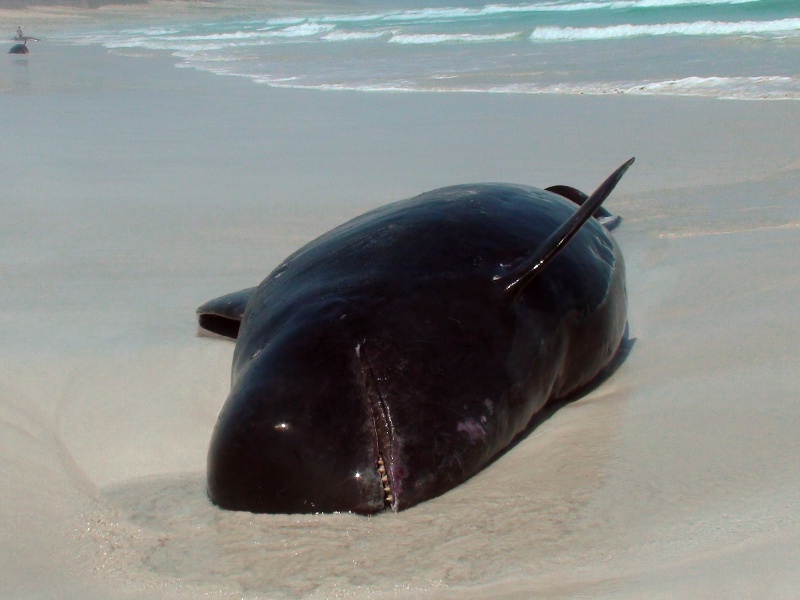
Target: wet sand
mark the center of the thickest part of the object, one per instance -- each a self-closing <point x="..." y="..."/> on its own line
<point x="134" y="191"/>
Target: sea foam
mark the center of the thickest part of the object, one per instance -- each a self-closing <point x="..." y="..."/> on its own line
<point x="301" y="30"/>
<point x="440" y="38"/>
<point x="456" y="13"/>
<point x="697" y="28"/>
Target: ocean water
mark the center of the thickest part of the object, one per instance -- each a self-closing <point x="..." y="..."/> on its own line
<point x="747" y="49"/>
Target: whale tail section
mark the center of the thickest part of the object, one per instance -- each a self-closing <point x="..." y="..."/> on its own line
<point x="605" y="218"/>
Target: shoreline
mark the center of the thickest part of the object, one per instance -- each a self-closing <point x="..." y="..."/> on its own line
<point x="252" y="42"/>
<point x="254" y="51"/>
<point x="705" y="130"/>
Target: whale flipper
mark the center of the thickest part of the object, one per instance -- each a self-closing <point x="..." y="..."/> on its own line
<point x="224" y="314"/>
<point x="516" y="279"/>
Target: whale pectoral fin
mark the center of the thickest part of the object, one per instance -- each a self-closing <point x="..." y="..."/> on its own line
<point x="605" y="218"/>
<point x="520" y="276"/>
<point x="223" y="315"/>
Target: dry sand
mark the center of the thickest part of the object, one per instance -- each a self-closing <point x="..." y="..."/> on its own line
<point x="133" y="191"/>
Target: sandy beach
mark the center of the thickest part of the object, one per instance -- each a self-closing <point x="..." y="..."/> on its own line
<point x="134" y="191"/>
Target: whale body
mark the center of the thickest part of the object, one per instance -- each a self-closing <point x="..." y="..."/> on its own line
<point x="392" y="358"/>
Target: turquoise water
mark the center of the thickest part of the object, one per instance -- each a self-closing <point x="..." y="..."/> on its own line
<point x="720" y="48"/>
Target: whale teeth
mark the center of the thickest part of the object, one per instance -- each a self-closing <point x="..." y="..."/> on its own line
<point x="388" y="496"/>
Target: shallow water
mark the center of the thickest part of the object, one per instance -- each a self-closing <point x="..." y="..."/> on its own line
<point x="711" y="48"/>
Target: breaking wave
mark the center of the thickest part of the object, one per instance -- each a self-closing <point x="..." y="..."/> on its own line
<point x="698" y="28"/>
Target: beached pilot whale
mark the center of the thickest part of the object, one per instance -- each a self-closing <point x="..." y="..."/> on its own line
<point x="392" y="358"/>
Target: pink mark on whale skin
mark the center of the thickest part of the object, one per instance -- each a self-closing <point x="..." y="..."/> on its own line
<point x="472" y="429"/>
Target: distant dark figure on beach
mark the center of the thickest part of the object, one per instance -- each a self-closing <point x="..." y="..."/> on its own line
<point x="20" y="48"/>
<point x="23" y="47"/>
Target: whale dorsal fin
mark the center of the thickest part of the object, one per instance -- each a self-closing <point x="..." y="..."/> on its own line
<point x="223" y="315"/>
<point x="520" y="276"/>
<point x="605" y="218"/>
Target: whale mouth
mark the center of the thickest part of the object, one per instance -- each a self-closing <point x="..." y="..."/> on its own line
<point x="388" y="496"/>
<point x="381" y="423"/>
